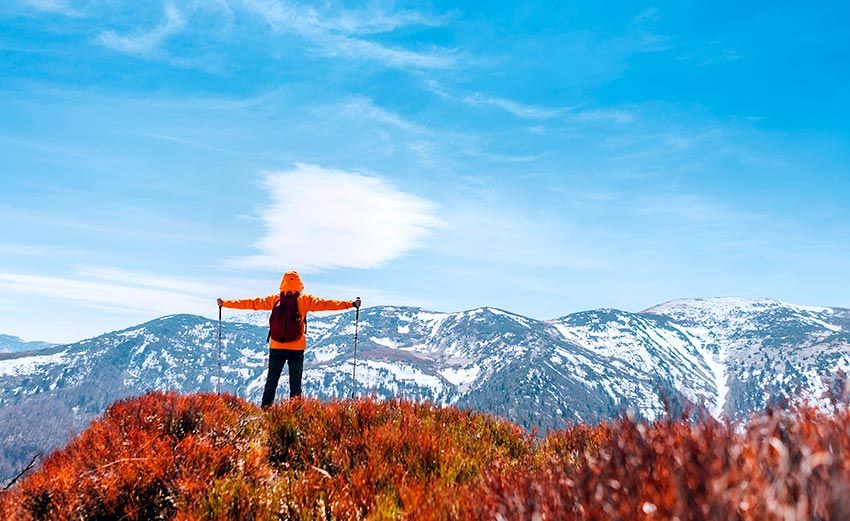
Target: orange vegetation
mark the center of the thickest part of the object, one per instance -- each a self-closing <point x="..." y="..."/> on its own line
<point x="169" y="456"/>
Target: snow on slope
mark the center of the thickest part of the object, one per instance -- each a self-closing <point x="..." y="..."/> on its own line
<point x="766" y="349"/>
<point x="30" y="364"/>
<point x="646" y="345"/>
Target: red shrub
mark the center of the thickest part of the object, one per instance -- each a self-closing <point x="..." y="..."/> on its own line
<point x="137" y="461"/>
<point x="166" y="456"/>
<point x="791" y="466"/>
<point x="210" y="457"/>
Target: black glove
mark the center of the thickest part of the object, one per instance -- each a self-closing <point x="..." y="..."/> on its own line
<point x="357" y="303"/>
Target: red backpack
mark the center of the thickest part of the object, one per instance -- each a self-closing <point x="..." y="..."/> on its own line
<point x="285" y="322"/>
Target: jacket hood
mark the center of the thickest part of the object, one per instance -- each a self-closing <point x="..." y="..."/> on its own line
<point x="291" y="281"/>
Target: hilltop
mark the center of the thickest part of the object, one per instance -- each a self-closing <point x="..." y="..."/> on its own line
<point x="170" y="456"/>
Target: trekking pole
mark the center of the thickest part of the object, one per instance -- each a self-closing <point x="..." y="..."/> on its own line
<point x="354" y="368"/>
<point x="218" y="355"/>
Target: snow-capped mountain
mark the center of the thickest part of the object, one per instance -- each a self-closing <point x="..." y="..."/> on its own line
<point x="13" y="344"/>
<point x="721" y="356"/>
<point x="765" y="351"/>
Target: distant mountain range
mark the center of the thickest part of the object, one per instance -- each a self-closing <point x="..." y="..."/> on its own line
<point x="13" y="344"/>
<point x="714" y="356"/>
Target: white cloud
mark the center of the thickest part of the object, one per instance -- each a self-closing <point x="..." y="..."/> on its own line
<point x="324" y="219"/>
<point x="145" y="43"/>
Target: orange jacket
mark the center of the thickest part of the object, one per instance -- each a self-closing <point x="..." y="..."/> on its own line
<point x="290" y="282"/>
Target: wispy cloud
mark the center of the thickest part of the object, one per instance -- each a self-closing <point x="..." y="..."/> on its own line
<point x="621" y="116"/>
<point x="711" y="53"/>
<point x="347" y="47"/>
<point x="147" y="280"/>
<point x="329" y="32"/>
<point x="535" y="112"/>
<point x="344" y="35"/>
<point x="647" y="16"/>
<point x="376" y="20"/>
<point x="436" y="148"/>
<point x="137" y="298"/>
<point x="362" y="108"/>
<point x="324" y="219"/>
<point x="521" y="110"/>
<point x="506" y="158"/>
<point x="52" y="6"/>
<point x="518" y="109"/>
<point x="17" y="251"/>
<point x="144" y="295"/>
<point x="308" y="18"/>
<point x="147" y="42"/>
<point x="644" y="35"/>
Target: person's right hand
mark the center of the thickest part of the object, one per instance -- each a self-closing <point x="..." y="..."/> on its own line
<point x="220" y="302"/>
<point x="357" y="303"/>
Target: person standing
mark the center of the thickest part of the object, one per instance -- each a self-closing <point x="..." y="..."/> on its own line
<point x="287" y="329"/>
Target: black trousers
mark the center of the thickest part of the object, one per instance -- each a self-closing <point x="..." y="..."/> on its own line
<point x="277" y="358"/>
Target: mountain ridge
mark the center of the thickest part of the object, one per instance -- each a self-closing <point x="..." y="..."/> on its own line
<point x="703" y="355"/>
<point x="14" y="344"/>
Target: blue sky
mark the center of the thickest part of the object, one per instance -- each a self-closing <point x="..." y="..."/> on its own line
<point x="544" y="158"/>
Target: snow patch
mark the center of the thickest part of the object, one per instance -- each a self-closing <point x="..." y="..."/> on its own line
<point x="384" y="341"/>
<point x="459" y="377"/>
<point x="28" y="365"/>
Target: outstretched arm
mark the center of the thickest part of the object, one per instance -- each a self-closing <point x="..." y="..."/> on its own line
<point x="322" y="304"/>
<point x="261" y="303"/>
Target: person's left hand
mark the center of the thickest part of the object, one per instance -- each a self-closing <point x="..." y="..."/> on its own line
<point x="220" y="302"/>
